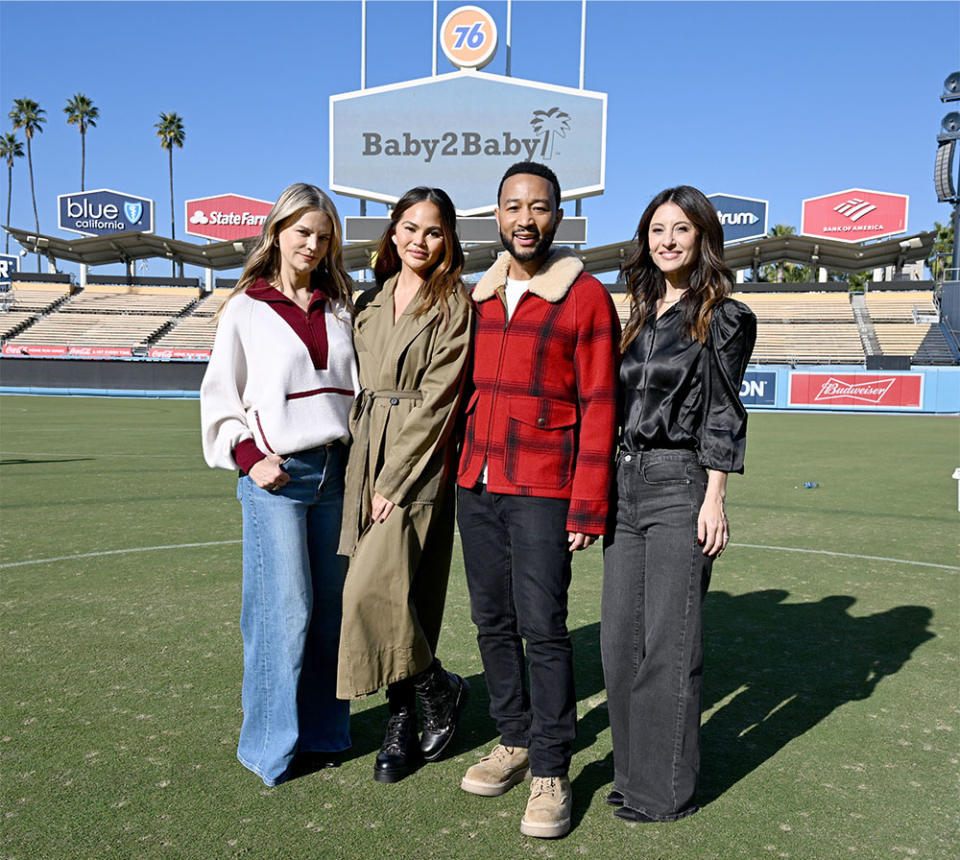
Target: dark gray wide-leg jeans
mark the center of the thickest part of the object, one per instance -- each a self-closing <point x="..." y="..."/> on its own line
<point x="655" y="577"/>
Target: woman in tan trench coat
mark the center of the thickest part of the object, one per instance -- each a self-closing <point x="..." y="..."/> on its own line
<point x="412" y="336"/>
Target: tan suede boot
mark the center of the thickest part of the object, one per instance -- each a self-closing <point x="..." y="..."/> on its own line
<point x="498" y="772"/>
<point x="548" y="809"/>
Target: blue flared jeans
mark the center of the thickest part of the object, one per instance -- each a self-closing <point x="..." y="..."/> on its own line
<point x="290" y="616"/>
<point x="655" y="577"/>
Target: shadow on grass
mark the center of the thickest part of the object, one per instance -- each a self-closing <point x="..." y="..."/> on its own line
<point x="774" y="670"/>
<point x="24" y="461"/>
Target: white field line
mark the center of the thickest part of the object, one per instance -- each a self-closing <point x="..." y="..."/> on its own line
<point x="846" y="555"/>
<point x="117" y="552"/>
<point x="227" y="542"/>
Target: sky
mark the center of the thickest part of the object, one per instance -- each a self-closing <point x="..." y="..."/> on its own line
<point x="773" y="100"/>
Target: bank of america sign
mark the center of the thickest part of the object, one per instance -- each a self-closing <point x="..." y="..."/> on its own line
<point x="460" y="132"/>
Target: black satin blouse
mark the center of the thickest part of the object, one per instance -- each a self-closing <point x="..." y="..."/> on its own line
<point x="680" y="393"/>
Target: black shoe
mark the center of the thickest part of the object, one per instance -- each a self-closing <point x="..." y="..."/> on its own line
<point x="615" y="798"/>
<point x="400" y="754"/>
<point x="442" y="696"/>
<point x="628" y="814"/>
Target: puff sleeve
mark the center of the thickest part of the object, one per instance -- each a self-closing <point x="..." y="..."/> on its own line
<point x="723" y="425"/>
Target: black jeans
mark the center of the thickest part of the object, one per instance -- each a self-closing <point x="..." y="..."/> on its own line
<point x="518" y="572"/>
<point x="655" y="577"/>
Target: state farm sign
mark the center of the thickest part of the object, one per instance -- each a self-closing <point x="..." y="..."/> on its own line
<point x="857" y="390"/>
<point x="226" y="216"/>
<point x="854" y="215"/>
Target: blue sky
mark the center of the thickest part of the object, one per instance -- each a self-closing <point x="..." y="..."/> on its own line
<point x="775" y="100"/>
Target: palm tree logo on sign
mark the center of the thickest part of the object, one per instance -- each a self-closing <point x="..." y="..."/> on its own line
<point x="548" y="124"/>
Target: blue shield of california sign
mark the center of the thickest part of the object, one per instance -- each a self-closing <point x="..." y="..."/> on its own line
<point x="460" y="131"/>
<point x="102" y="212"/>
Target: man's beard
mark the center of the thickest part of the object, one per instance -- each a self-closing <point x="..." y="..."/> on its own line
<point x="535" y="253"/>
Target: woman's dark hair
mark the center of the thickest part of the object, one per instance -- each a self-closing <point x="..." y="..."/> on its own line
<point x="444" y="278"/>
<point x="710" y="280"/>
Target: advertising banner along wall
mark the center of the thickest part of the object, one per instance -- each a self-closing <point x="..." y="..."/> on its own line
<point x="856" y="390"/>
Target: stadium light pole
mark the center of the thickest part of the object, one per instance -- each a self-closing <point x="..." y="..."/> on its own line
<point x="943" y="180"/>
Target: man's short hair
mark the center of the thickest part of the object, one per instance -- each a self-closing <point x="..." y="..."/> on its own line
<point x="536" y="169"/>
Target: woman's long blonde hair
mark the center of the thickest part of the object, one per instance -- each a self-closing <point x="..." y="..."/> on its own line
<point x="264" y="260"/>
<point x="710" y="280"/>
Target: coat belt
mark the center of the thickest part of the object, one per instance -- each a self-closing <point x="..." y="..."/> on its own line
<point x="357" y="509"/>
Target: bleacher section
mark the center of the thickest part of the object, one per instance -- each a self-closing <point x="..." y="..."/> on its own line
<point x="808" y="343"/>
<point x="89" y="329"/>
<point x="798" y="307"/>
<point x="924" y="343"/>
<point x="898" y="307"/>
<point x="793" y="327"/>
<point x="194" y="332"/>
<point x="210" y="304"/>
<point x="10" y="321"/>
<point x="37" y="298"/>
<point x="130" y="300"/>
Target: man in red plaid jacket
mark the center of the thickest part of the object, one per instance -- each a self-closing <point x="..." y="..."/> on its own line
<point x="533" y="484"/>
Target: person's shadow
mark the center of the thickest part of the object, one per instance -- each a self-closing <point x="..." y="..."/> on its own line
<point x="773" y="670"/>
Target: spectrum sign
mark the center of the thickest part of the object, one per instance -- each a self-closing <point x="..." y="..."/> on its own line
<point x="459" y="132"/>
<point x="854" y="215"/>
<point x="226" y="217"/>
<point x="759" y="388"/>
<point x="9" y="266"/>
<point x="857" y="390"/>
<point x="102" y="212"/>
<point x="742" y="218"/>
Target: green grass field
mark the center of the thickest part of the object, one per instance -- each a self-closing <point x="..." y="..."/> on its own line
<point x="831" y="684"/>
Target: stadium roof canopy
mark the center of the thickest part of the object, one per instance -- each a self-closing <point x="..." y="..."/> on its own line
<point x="125" y="247"/>
<point x="803" y="250"/>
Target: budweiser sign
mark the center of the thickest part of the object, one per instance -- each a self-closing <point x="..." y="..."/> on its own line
<point x="857" y="390"/>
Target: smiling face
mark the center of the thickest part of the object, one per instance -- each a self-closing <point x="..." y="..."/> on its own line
<point x="527" y="216"/>
<point x="303" y="243"/>
<point x="419" y="237"/>
<point x="674" y="243"/>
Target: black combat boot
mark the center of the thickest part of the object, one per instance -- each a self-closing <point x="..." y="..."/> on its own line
<point x="442" y="696"/>
<point x="400" y="753"/>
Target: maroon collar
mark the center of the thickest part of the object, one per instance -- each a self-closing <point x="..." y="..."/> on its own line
<point x="309" y="326"/>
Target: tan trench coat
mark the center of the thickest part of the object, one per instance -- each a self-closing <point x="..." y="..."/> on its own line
<point x="411" y="376"/>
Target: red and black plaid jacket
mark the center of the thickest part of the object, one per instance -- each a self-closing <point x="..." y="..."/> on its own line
<point x="542" y="412"/>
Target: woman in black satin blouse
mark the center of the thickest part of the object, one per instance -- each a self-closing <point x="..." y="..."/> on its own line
<point x="685" y="350"/>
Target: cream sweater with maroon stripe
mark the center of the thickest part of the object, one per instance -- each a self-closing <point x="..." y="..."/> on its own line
<point x="261" y="384"/>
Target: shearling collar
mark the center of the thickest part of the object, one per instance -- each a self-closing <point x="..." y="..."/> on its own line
<point x="552" y="282"/>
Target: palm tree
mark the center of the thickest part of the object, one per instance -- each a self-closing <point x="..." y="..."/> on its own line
<point x="82" y="113"/>
<point x="171" y="134"/>
<point x="29" y="116"/>
<point x="776" y="232"/>
<point x="941" y="254"/>
<point x="547" y="122"/>
<point x="10" y="148"/>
